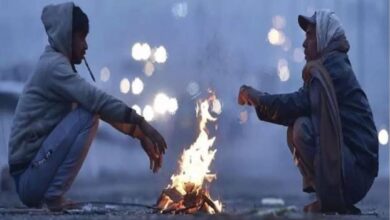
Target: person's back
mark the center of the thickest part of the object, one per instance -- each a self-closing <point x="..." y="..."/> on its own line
<point x="358" y="128"/>
<point x="39" y="110"/>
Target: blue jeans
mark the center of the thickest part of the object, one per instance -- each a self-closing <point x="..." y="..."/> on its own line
<point x="301" y="141"/>
<point x="59" y="159"/>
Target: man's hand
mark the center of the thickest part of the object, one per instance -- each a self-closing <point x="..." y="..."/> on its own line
<point x="152" y="142"/>
<point x="248" y="96"/>
<point x="155" y="157"/>
<point x="154" y="136"/>
<point x="244" y="95"/>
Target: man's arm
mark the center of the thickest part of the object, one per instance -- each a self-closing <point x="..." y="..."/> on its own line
<point x="70" y="86"/>
<point x="281" y="109"/>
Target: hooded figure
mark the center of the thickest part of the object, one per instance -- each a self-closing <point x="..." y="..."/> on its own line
<point x="331" y="132"/>
<point x="49" y="139"/>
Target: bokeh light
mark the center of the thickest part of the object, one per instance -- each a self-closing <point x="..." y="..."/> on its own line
<point x="137" y="86"/>
<point x="160" y="55"/>
<point x="172" y="106"/>
<point x="276" y="37"/>
<point x="283" y="71"/>
<point x="136" y="51"/>
<point x="141" y="51"/>
<point x="124" y="85"/>
<point x="148" y="113"/>
<point x="137" y="109"/>
<point x="149" y="68"/>
<point x="180" y="10"/>
<point x="193" y="88"/>
<point x="161" y="103"/>
<point x="383" y="137"/>
<point x="286" y="45"/>
<point x="105" y="74"/>
<point x="278" y="22"/>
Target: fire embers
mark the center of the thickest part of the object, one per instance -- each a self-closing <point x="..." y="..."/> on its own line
<point x="195" y="200"/>
<point x="187" y="193"/>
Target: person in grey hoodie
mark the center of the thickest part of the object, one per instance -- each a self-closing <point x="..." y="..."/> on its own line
<point x="57" y="115"/>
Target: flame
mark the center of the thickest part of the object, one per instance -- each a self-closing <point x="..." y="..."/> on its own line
<point x="194" y="165"/>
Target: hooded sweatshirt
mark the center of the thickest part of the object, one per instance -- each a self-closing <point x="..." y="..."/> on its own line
<point x="50" y="91"/>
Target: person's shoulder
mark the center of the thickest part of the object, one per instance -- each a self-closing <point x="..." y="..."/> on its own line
<point x="53" y="60"/>
<point x="59" y="65"/>
<point x="338" y="64"/>
<point x="336" y="59"/>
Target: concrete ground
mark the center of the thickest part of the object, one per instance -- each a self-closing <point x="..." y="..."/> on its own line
<point x="114" y="198"/>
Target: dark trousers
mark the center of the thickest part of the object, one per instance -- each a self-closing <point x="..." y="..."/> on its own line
<point x="59" y="159"/>
<point x="301" y="141"/>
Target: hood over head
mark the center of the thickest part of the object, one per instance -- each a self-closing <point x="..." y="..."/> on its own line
<point x="57" y="20"/>
<point x="330" y="32"/>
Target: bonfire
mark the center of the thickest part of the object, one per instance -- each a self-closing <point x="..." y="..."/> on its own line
<point x="188" y="193"/>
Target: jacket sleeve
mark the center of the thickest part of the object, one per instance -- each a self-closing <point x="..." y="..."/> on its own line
<point x="70" y="86"/>
<point x="283" y="109"/>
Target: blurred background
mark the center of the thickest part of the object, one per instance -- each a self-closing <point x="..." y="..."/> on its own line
<point x="162" y="56"/>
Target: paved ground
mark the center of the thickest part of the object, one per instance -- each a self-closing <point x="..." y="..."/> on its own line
<point x="242" y="198"/>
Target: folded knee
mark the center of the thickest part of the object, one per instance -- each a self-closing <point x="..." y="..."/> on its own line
<point x="302" y="131"/>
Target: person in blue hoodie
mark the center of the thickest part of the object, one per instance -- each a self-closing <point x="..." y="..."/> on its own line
<point x="331" y="132"/>
<point x="57" y="115"/>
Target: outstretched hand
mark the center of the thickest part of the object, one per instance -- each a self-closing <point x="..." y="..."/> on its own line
<point x="249" y="96"/>
<point x="243" y="95"/>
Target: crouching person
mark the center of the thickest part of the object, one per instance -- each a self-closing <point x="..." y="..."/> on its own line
<point x="331" y="132"/>
<point x="49" y="139"/>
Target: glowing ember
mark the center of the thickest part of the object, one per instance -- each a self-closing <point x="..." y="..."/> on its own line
<point x="187" y="193"/>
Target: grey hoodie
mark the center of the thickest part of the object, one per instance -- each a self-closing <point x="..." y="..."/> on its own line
<point x="50" y="91"/>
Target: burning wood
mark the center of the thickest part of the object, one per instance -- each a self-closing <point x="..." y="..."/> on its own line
<point x="187" y="193"/>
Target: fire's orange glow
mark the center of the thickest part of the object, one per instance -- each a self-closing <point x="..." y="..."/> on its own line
<point x="187" y="193"/>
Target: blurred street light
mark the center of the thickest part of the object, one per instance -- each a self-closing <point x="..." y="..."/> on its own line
<point x="383" y="137"/>
<point x="148" y="113"/>
<point x="137" y="86"/>
<point x="124" y="85"/>
<point x="105" y="74"/>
